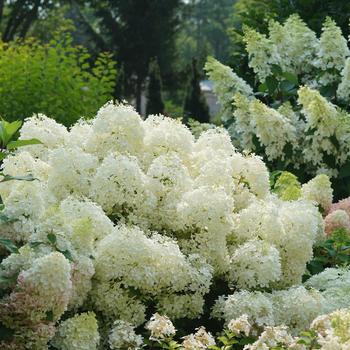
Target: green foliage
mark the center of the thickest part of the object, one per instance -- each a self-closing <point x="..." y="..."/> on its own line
<point x="9" y="142"/>
<point x="335" y="251"/>
<point x="55" y="79"/>
<point x="138" y="31"/>
<point x="195" y="105"/>
<point x="230" y="341"/>
<point x="155" y="104"/>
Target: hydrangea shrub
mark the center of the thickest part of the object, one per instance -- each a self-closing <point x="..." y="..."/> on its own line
<point x="130" y="216"/>
<point x="296" y="112"/>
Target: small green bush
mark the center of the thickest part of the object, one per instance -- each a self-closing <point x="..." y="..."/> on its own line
<point x="56" y="79"/>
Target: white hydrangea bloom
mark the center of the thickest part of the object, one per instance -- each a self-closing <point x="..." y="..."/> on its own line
<point x="262" y="52"/>
<point x="206" y="217"/>
<point x="333" y="48"/>
<point x="272" y="337"/>
<point x="198" y="341"/>
<point x="257" y="306"/>
<point x="240" y="325"/>
<point x="343" y="90"/>
<point x="116" y="128"/>
<point x="165" y="135"/>
<point x="226" y="83"/>
<point x="114" y="301"/>
<point x="255" y="264"/>
<point x="72" y="170"/>
<point x="82" y="272"/>
<point x="321" y="118"/>
<point x="79" y="332"/>
<point x="160" y="327"/>
<point x="47" y="131"/>
<point x="123" y="336"/>
<point x="43" y="288"/>
<point x="119" y="184"/>
<point x="333" y="330"/>
<point x="297" y="307"/>
<point x="273" y="130"/>
<point x="296" y="44"/>
<point x="319" y="189"/>
<point x="79" y="134"/>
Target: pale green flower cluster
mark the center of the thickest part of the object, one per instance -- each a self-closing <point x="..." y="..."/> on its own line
<point x="130" y="215"/>
<point x="79" y="332"/>
<point x="295" y="307"/>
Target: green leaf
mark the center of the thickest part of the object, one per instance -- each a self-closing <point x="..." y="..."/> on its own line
<point x="286" y="86"/>
<point x="9" y="245"/>
<point x="8" y="130"/>
<point x="35" y="244"/>
<point x="344" y="171"/>
<point x="52" y="238"/>
<point x="49" y="316"/>
<point x="262" y="87"/>
<point x="6" y="219"/>
<point x="6" y="178"/>
<point x="67" y="254"/>
<point x="291" y="78"/>
<point x="20" y="143"/>
<point x="3" y="155"/>
<point x="5" y="333"/>
<point x="271" y="83"/>
<point x="276" y="70"/>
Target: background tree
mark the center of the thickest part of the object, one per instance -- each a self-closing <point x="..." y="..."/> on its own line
<point x="137" y="30"/>
<point x="155" y="104"/>
<point x="195" y="106"/>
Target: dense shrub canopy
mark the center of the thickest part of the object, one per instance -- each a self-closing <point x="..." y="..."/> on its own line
<point x="137" y="215"/>
<point x="56" y="79"/>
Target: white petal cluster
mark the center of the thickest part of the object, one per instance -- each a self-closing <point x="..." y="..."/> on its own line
<point x="198" y="341"/>
<point x="123" y="336"/>
<point x="333" y="49"/>
<point x="240" y="325"/>
<point x="295" y="307"/>
<point x="334" y="283"/>
<point x="275" y="222"/>
<point x="272" y="337"/>
<point x="255" y="263"/>
<point x="226" y="83"/>
<point x="333" y="330"/>
<point x="148" y="266"/>
<point x="79" y="332"/>
<point x="160" y="327"/>
<point x="319" y="190"/>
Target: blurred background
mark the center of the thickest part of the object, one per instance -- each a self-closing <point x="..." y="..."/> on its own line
<point x="67" y="58"/>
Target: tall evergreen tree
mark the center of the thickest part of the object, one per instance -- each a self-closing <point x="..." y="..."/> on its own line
<point x="195" y="105"/>
<point x="155" y="104"/>
<point x="138" y="30"/>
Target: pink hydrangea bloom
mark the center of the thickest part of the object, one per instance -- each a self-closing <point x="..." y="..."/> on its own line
<point x="337" y="219"/>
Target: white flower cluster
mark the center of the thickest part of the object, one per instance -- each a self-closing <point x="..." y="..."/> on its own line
<point x="123" y="336"/>
<point x="198" y="341"/>
<point x="295" y="307"/>
<point x="315" y="137"/>
<point x="126" y="214"/>
<point x="333" y="330"/>
<point x="78" y="333"/>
